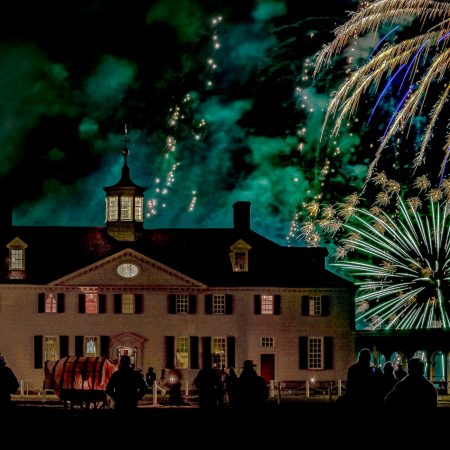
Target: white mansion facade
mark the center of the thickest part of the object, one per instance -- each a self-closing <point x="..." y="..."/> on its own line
<point x="170" y="297"/>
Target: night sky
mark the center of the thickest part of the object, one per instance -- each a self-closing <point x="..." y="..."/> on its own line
<point x="213" y="95"/>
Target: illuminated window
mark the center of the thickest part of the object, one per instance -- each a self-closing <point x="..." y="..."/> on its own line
<point x="50" y="348"/>
<point x="112" y="208"/>
<point x="91" y="303"/>
<point x="315" y="353"/>
<point x="182" y="303"/>
<point x="91" y="347"/>
<point x="17" y="254"/>
<point x="315" y="306"/>
<point x="267" y="342"/>
<point x="127" y="303"/>
<point x="17" y="259"/>
<point x="182" y="353"/>
<point x="126" y="208"/>
<point x="219" y="304"/>
<point x="139" y="209"/>
<point x="266" y="304"/>
<point x="219" y="352"/>
<point x="50" y="304"/>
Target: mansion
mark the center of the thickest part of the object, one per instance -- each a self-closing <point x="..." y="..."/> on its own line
<point x="170" y="298"/>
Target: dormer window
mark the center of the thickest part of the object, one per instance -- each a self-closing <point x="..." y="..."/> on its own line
<point x="17" y="254"/>
<point x="239" y="256"/>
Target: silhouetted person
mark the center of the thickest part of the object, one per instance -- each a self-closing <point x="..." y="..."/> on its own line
<point x="150" y="377"/>
<point x="364" y="385"/>
<point x="173" y="385"/>
<point x="231" y="386"/>
<point x="414" y="396"/>
<point x="208" y="384"/>
<point x="252" y="391"/>
<point x="126" y="386"/>
<point x="389" y="380"/>
<point x="8" y="385"/>
<point x="399" y="372"/>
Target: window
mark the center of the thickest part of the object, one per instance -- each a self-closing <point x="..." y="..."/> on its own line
<point x="91" y="347"/>
<point x="267" y="342"/>
<point x="112" y="209"/>
<point x="266" y="304"/>
<point x="50" y="348"/>
<point x="219" y="304"/>
<point x="315" y="353"/>
<point x="50" y="304"/>
<point x="17" y="254"/>
<point x="17" y="259"/>
<point x="139" y="209"/>
<point x="240" y="261"/>
<point x="182" y="353"/>
<point x="126" y="208"/>
<point x="315" y="306"/>
<point x="182" y="303"/>
<point x="91" y="303"/>
<point x="219" y="352"/>
<point x="239" y="256"/>
<point x="127" y="304"/>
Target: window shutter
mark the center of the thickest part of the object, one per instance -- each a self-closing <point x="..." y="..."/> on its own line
<point x="208" y="303"/>
<point x="104" y="346"/>
<point x="138" y="304"/>
<point x="231" y="351"/>
<point x="229" y="305"/>
<point x="305" y="305"/>
<point x="328" y="351"/>
<point x="60" y="303"/>
<point x="303" y="352"/>
<point x="170" y="351"/>
<point x="194" y="352"/>
<point x="277" y="305"/>
<point x="41" y="302"/>
<point x="257" y="304"/>
<point x="325" y="305"/>
<point x="192" y="304"/>
<point x="117" y="304"/>
<point x="63" y="346"/>
<point x="171" y="303"/>
<point x="81" y="303"/>
<point x="101" y="303"/>
<point x="38" y="352"/>
<point x="79" y="345"/>
<point x="206" y="351"/>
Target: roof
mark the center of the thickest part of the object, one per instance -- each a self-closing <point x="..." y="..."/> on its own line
<point x="201" y="253"/>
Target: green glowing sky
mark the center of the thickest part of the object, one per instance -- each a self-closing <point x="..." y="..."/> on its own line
<point x="73" y="73"/>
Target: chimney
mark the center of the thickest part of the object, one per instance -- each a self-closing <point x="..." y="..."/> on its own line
<point x="242" y="215"/>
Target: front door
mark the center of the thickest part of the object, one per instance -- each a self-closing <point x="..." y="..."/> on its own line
<point x="130" y="351"/>
<point x="268" y="366"/>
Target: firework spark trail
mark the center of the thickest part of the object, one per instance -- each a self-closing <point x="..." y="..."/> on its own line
<point x="404" y="268"/>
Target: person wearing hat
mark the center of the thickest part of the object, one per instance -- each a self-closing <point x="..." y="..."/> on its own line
<point x="8" y="385"/>
<point x="251" y="389"/>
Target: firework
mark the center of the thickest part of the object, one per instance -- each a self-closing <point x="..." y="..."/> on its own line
<point x="402" y="264"/>
<point x="417" y="63"/>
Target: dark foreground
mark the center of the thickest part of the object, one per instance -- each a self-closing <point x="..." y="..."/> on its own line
<point x="269" y="427"/>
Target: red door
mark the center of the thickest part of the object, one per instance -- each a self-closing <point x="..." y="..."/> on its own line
<point x="268" y="366"/>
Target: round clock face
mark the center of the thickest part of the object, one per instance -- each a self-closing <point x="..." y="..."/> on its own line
<point x="127" y="270"/>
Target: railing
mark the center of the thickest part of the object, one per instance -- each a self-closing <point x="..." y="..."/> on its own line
<point x="306" y="389"/>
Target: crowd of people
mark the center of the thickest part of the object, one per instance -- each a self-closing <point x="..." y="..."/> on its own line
<point x="369" y="388"/>
<point x="372" y="390"/>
